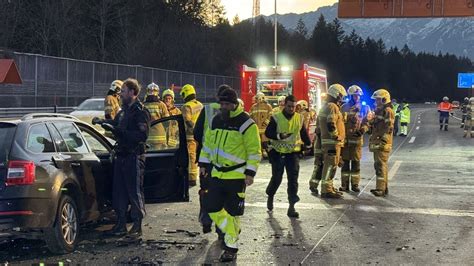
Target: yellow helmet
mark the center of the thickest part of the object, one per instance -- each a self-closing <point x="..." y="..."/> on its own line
<point x="260" y="96"/>
<point x="471" y="100"/>
<point x="337" y="90"/>
<point x="153" y="89"/>
<point x="355" y="90"/>
<point x="187" y="90"/>
<point x="168" y="92"/>
<point x="303" y="104"/>
<point x="383" y="94"/>
<point x="116" y="86"/>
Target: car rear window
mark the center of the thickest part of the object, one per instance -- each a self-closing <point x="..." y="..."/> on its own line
<point x="91" y="105"/>
<point x="7" y="131"/>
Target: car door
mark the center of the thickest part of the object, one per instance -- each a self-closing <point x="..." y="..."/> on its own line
<point x="166" y="173"/>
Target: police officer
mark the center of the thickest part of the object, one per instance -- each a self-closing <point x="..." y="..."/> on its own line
<point x="331" y="124"/>
<point x="130" y="128"/>
<point x="112" y="102"/>
<point x="396" y="109"/>
<point x="157" y="110"/>
<point x="203" y="124"/>
<point x="261" y="112"/>
<point x="380" y="141"/>
<point x="190" y="110"/>
<point x="356" y="124"/>
<point x="232" y="147"/>
<point x="286" y="132"/>
<point x="172" y="133"/>
<point x="405" y="116"/>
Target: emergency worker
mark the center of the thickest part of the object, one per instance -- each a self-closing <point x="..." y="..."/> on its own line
<point x="281" y="105"/>
<point x="356" y="124"/>
<point x="112" y="102"/>
<point x="286" y="132"/>
<point x="157" y="110"/>
<point x="172" y="134"/>
<point x="331" y="123"/>
<point x="232" y="147"/>
<point x="380" y="141"/>
<point x="405" y="114"/>
<point x="464" y="105"/>
<point x="261" y="112"/>
<point x="396" y="110"/>
<point x="317" y="174"/>
<point x="469" y="122"/>
<point x="445" y="109"/>
<point x="130" y="129"/>
<point x="190" y="110"/>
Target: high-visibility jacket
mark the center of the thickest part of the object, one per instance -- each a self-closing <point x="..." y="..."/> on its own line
<point x="381" y="127"/>
<point x="405" y="114"/>
<point x="445" y="107"/>
<point x="232" y="146"/>
<point x="157" y="110"/>
<point x="261" y="113"/>
<point x="210" y="111"/>
<point x="173" y="128"/>
<point x="331" y="123"/>
<point x="395" y="109"/>
<point x="111" y="106"/>
<point x="191" y="110"/>
<point x="356" y="121"/>
<point x="292" y="126"/>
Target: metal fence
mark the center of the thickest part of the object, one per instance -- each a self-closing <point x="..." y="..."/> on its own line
<point x="54" y="81"/>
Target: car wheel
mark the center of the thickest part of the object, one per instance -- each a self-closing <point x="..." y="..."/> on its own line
<point x="63" y="236"/>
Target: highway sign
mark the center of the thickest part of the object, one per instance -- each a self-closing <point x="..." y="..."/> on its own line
<point x="466" y="80"/>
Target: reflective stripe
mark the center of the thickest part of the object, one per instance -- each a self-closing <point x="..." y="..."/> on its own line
<point x="204" y="160"/>
<point x="228" y="156"/>
<point x="245" y="125"/>
<point x="330" y="141"/>
<point x="252" y="168"/>
<point x="260" y="111"/>
<point x="206" y="149"/>
<point x="254" y="157"/>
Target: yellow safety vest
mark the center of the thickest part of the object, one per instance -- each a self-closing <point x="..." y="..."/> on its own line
<point x="292" y="126"/>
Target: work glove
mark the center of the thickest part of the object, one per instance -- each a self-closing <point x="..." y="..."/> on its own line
<point x="97" y="121"/>
<point x="108" y="127"/>
<point x="284" y="135"/>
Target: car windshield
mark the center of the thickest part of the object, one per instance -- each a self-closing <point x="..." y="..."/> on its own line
<point x="91" y="105"/>
<point x="6" y="137"/>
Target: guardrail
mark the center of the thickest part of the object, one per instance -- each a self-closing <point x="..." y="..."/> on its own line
<point x="19" y="112"/>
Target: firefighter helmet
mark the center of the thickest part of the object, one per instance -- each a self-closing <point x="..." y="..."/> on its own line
<point x="168" y="92"/>
<point x="336" y="91"/>
<point x="445" y="98"/>
<point x="153" y="89"/>
<point x="260" y="96"/>
<point x="466" y="99"/>
<point x="382" y="94"/>
<point x="116" y="86"/>
<point x="281" y="99"/>
<point x="355" y="90"/>
<point x="187" y="90"/>
<point x="471" y="100"/>
<point x="303" y="104"/>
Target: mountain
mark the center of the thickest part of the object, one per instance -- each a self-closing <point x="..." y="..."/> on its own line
<point x="433" y="35"/>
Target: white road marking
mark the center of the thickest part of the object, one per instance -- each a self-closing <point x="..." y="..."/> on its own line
<point x="412" y="140"/>
<point x="394" y="169"/>
<point x="419" y="122"/>
<point x="417" y="128"/>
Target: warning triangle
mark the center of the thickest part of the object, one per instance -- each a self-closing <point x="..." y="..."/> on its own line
<point x="8" y="72"/>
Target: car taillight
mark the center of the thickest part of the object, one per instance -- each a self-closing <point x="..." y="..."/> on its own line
<point x="20" y="173"/>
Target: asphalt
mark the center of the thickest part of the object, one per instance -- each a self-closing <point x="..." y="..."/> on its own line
<point x="428" y="217"/>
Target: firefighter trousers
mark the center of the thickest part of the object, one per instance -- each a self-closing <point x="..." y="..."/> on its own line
<point x="128" y="186"/>
<point x="381" y="169"/>
<point x="331" y="160"/>
<point x="317" y="173"/>
<point x="192" y="164"/>
<point x="225" y="202"/>
<point x="280" y="162"/>
<point x="469" y="127"/>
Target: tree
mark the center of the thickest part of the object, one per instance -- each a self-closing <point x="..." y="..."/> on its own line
<point x="236" y="20"/>
<point x="301" y="28"/>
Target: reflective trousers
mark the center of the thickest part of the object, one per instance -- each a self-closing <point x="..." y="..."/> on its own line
<point x="381" y="169"/>
<point x="331" y="160"/>
<point x="193" y="166"/>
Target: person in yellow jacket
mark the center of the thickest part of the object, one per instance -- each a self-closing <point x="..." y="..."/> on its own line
<point x="356" y="125"/>
<point x="112" y="103"/>
<point x="191" y="110"/>
<point x="333" y="136"/>
<point x="286" y="132"/>
<point x="281" y="105"/>
<point x="232" y="147"/>
<point x="157" y="109"/>
<point x="405" y="114"/>
<point x="172" y="134"/>
<point x="380" y="141"/>
<point x="261" y="112"/>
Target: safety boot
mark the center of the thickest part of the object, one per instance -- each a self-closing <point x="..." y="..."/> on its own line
<point x="446" y="128"/>
<point x="119" y="229"/>
<point x="440" y="127"/>
<point x="355" y="188"/>
<point x="292" y="213"/>
<point x="344" y="188"/>
<point x="228" y="256"/>
<point x="136" y="229"/>
<point x="270" y="203"/>
<point x="378" y="192"/>
<point x="206" y="228"/>
<point x="332" y="195"/>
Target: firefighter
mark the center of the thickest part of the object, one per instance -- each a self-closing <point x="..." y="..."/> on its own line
<point x="331" y="124"/>
<point x="469" y="122"/>
<point x="157" y="109"/>
<point x="405" y="114"/>
<point x="380" y="141"/>
<point x="203" y="124"/>
<point x="261" y="112"/>
<point x="281" y="105"/>
<point x="318" y="161"/>
<point x="464" y="110"/>
<point x="286" y="132"/>
<point x="232" y="147"/>
<point x="304" y="111"/>
<point x="356" y="124"/>
<point x="190" y="110"/>
<point x="130" y="129"/>
<point x="396" y="109"/>
<point x="112" y="102"/>
<point x="172" y="133"/>
<point x="444" y="108"/>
